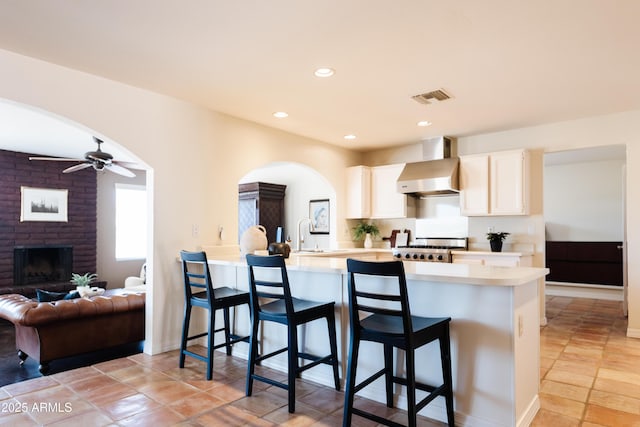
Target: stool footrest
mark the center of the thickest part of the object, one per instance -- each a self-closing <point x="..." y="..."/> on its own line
<point x="266" y="356"/>
<point x="232" y="340"/>
<point x="368" y="381"/>
<point x="270" y="381"/>
<point x="195" y="355"/>
<point x="373" y="417"/>
<point x="316" y="360"/>
<point x="193" y="337"/>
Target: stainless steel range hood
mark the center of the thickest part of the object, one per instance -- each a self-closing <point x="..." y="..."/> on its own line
<point x="437" y="174"/>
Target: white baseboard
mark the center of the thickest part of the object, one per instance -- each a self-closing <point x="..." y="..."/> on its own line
<point x="580" y="290"/>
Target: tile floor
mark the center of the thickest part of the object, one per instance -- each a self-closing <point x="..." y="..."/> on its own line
<point x="589" y="374"/>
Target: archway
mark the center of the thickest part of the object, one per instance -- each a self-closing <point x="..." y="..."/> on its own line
<point x="303" y="185"/>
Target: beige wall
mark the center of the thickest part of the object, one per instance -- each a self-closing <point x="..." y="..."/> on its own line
<point x="196" y="158"/>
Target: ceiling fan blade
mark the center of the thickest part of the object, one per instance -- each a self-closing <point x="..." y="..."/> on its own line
<point x="120" y="170"/>
<point x="56" y="159"/>
<point x="77" y="167"/>
<point x="128" y="165"/>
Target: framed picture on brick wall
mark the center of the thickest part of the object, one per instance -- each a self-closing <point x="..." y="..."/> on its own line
<point x="43" y="204"/>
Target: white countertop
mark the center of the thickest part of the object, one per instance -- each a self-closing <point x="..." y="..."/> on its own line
<point x="425" y="271"/>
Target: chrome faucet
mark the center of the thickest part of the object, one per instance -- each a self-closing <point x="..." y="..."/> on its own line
<point x="300" y="235"/>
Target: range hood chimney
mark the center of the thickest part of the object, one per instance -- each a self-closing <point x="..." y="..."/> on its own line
<point x="437" y="174"/>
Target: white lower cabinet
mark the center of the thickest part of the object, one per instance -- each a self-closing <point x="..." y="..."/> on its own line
<point x="501" y="259"/>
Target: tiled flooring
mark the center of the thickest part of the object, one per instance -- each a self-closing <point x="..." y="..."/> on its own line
<point x="589" y="369"/>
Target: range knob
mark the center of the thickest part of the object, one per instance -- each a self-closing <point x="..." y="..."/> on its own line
<point x="415" y="256"/>
<point x="430" y="257"/>
<point x="397" y="255"/>
<point x="440" y="257"/>
<point x="421" y="256"/>
<point x="407" y="256"/>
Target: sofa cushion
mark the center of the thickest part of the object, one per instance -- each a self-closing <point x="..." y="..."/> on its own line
<point x="48" y="296"/>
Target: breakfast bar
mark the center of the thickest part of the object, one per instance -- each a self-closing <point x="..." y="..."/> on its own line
<point x="495" y="339"/>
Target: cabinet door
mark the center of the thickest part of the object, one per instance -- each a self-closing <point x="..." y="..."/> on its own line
<point x="386" y="202"/>
<point x="474" y="185"/>
<point x="508" y="183"/>
<point x="503" y="261"/>
<point x="358" y="192"/>
<point x="461" y="259"/>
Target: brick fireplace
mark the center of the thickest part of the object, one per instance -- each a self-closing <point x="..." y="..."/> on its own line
<point x="78" y="233"/>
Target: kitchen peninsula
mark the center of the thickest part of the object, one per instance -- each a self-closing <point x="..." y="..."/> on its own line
<point x="495" y="340"/>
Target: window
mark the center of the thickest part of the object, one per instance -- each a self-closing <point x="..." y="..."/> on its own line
<point x="131" y="221"/>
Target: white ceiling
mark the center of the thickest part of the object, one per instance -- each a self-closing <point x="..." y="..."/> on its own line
<point x="506" y="64"/>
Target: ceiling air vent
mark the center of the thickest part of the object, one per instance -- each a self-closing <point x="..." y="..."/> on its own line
<point x="426" y="98"/>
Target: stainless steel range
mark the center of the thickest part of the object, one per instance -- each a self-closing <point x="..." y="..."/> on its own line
<point x="427" y="249"/>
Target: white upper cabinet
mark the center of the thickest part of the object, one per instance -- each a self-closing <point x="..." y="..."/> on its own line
<point x="474" y="185"/>
<point x="358" y="192"/>
<point x="509" y="184"/>
<point x="372" y="193"/>
<point x="386" y="202"/>
<point x="495" y="183"/>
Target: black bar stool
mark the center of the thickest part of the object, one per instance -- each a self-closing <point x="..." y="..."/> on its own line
<point x="272" y="301"/>
<point x="391" y="324"/>
<point x="195" y="271"/>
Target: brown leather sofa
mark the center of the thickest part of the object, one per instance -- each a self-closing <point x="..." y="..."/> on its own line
<point x="51" y="330"/>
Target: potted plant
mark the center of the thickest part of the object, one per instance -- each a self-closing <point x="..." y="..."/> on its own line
<point x="367" y="231"/>
<point x="83" y="281"/>
<point x="496" y="239"/>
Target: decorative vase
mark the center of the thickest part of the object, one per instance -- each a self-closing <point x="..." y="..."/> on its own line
<point x="496" y="245"/>
<point x="368" y="243"/>
<point x="253" y="239"/>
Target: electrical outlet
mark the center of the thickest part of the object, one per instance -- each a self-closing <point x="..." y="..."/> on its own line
<point x="195" y="230"/>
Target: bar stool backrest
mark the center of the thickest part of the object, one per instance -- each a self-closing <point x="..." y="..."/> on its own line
<point x="378" y="295"/>
<point x="268" y="280"/>
<point x="195" y="271"/>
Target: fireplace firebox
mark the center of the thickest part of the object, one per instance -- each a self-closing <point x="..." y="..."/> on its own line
<point x="42" y="264"/>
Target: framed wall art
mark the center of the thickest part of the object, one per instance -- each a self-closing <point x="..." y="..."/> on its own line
<point x="43" y="204"/>
<point x="319" y="214"/>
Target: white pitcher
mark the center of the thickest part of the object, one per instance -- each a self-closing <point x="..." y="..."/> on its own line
<point x="253" y="239"/>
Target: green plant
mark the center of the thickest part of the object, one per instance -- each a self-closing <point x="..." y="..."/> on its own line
<point x="497" y="237"/>
<point x="362" y="229"/>
<point x="83" y="280"/>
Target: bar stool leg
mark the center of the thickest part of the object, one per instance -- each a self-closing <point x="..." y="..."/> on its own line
<point x="253" y="355"/>
<point x="210" y="339"/>
<point x="349" y="388"/>
<point x="388" y="373"/>
<point x="333" y="344"/>
<point x="227" y="331"/>
<point x="411" y="387"/>
<point x="293" y="365"/>
<point x="185" y="332"/>
<point x="445" y="356"/>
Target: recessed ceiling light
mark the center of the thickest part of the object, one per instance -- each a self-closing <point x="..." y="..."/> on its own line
<point x="280" y="114"/>
<point x="424" y="123"/>
<point x="350" y="136"/>
<point x="324" y="72"/>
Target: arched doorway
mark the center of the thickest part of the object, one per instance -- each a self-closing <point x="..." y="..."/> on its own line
<point x="304" y="184"/>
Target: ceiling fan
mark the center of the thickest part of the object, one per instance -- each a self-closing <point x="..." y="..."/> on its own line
<point x="98" y="159"/>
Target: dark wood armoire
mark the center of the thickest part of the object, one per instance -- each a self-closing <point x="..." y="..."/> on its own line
<point x="261" y="203"/>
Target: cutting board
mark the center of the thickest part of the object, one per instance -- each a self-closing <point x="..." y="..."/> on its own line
<point x="402" y="239"/>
